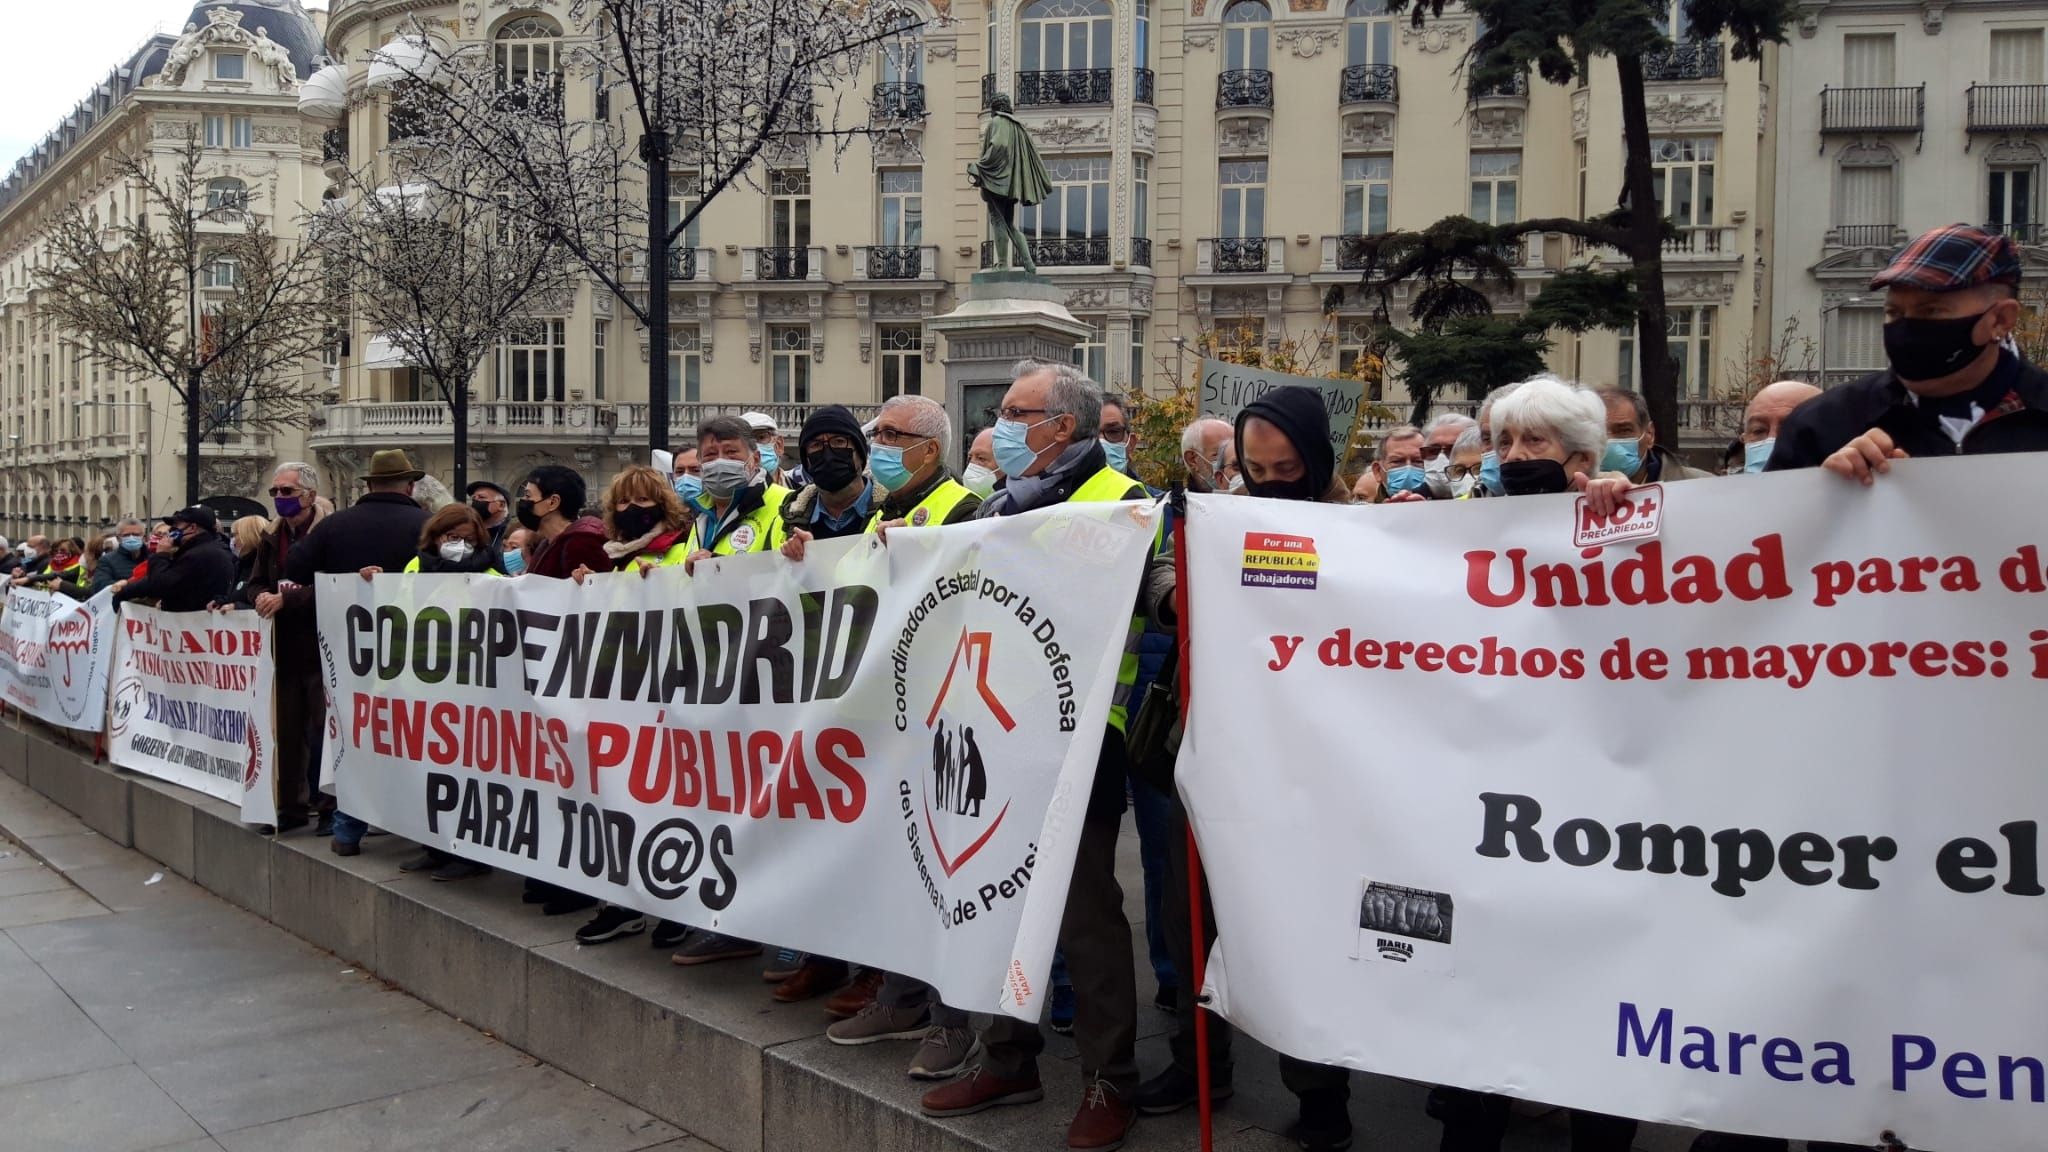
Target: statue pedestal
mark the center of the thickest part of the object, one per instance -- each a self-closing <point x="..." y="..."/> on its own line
<point x="1003" y="317"/>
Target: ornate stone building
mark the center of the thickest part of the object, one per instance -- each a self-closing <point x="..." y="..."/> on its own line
<point x="86" y="444"/>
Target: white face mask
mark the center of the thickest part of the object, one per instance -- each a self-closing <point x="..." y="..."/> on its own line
<point x="457" y="551"/>
<point x="1463" y="487"/>
<point x="979" y="479"/>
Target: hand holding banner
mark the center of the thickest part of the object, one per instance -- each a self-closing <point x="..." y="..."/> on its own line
<point x="54" y="655"/>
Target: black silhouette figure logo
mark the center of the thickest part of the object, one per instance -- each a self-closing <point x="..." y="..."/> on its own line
<point x="960" y="777"/>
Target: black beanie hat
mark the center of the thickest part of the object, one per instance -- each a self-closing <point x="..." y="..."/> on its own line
<point x="1298" y="413"/>
<point x="828" y="420"/>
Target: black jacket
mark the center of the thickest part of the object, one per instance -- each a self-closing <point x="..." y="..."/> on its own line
<point x="295" y="628"/>
<point x="202" y="571"/>
<point x="114" y="567"/>
<point x="1830" y="420"/>
<point x="382" y="529"/>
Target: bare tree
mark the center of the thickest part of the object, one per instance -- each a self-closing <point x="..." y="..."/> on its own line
<point x="443" y="278"/>
<point x="194" y="290"/>
<point x="717" y="86"/>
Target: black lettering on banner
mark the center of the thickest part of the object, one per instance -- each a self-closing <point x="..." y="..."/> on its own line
<point x="768" y="634"/>
<point x="724" y="636"/>
<point x="671" y="855"/>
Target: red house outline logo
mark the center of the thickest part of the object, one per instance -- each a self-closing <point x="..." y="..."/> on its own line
<point x="976" y="649"/>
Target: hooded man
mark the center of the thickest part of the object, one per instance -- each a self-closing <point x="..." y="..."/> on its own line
<point x="840" y="499"/>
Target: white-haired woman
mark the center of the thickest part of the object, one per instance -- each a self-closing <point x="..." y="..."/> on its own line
<point x="1550" y="435"/>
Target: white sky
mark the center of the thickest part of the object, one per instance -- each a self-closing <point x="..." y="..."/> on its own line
<point x="58" y="50"/>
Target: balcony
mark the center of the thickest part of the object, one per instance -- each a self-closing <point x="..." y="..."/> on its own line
<point x="2025" y="235"/>
<point x="334" y="148"/>
<point x="1072" y="86"/>
<point x="489" y="421"/>
<point x="1348" y="253"/>
<point x="1146" y="86"/>
<point x="1685" y="60"/>
<point x="783" y="264"/>
<point x="2008" y="108"/>
<point x="1245" y="88"/>
<point x="685" y="416"/>
<point x="896" y="262"/>
<point x="1859" y="110"/>
<point x="988" y="89"/>
<point x="1515" y="87"/>
<point x="1060" y="252"/>
<point x="1241" y="256"/>
<point x="1141" y="252"/>
<point x="899" y="101"/>
<point x="1706" y="242"/>
<point x="685" y="265"/>
<point x="1865" y="236"/>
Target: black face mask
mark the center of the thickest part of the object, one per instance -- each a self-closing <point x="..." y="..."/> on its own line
<point x="1300" y="488"/>
<point x="1930" y="349"/>
<point x="528" y="518"/>
<point x="636" y="521"/>
<point x="833" y="469"/>
<point x="481" y="509"/>
<point x="1533" y="478"/>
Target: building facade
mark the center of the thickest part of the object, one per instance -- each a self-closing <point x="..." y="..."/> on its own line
<point x="85" y="443"/>
<point x="1212" y="164"/>
<point x="1904" y="117"/>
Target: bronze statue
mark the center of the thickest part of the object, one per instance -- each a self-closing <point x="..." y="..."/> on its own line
<point x="1008" y="173"/>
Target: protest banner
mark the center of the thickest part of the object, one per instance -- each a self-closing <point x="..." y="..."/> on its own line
<point x="1228" y="388"/>
<point x="1735" y="828"/>
<point x="192" y="703"/>
<point x="881" y="754"/>
<point x="54" y="655"/>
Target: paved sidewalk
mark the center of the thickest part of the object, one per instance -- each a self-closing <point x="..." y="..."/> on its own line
<point x="147" y="1014"/>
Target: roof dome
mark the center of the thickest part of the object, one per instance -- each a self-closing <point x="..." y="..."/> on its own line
<point x="285" y="20"/>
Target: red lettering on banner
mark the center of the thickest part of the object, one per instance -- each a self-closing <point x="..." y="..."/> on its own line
<point x="763" y="750"/>
<point x="1642" y="578"/>
<point x="838" y="748"/>
<point x="796" y="788"/>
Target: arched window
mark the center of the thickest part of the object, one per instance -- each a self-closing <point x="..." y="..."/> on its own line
<point x="1247" y="36"/>
<point x="226" y="198"/>
<point x="527" y="50"/>
<point x="1065" y="36"/>
<point x="1368" y="33"/>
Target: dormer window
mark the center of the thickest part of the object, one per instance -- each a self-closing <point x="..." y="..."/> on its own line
<point x="230" y="66"/>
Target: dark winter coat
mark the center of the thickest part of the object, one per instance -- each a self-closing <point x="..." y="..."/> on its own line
<point x="202" y="571"/>
<point x="1824" y="424"/>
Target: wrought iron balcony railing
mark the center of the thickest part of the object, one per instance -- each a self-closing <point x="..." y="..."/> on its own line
<point x="1240" y="253"/>
<point x="895" y="262"/>
<point x="1060" y="252"/>
<point x="1685" y="60"/>
<point x="1146" y="85"/>
<point x="1873" y="109"/>
<point x="2008" y="108"/>
<point x="1370" y="83"/>
<point x="782" y="263"/>
<point x="899" y="100"/>
<point x="1072" y="86"/>
<point x="1865" y="235"/>
<point x="1245" y="88"/>
<point x="1141" y="252"/>
<point x="1513" y="87"/>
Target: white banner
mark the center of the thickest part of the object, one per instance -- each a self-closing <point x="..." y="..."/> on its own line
<point x="882" y="754"/>
<point x="54" y="654"/>
<point x="1734" y="827"/>
<point x="192" y="703"/>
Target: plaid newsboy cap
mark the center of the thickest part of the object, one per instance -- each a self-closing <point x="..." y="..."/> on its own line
<point x="1951" y="259"/>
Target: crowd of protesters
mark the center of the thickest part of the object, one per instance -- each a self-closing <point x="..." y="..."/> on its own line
<point x="1955" y="386"/>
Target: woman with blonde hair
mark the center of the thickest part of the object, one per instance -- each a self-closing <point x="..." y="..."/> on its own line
<point x="645" y="524"/>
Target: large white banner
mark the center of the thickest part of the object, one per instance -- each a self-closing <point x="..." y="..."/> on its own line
<point x="881" y="754"/>
<point x="1734" y="826"/>
<point x="192" y="703"/>
<point x="54" y="655"/>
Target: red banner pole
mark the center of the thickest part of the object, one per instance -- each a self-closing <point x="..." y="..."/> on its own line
<point x="1205" y="1105"/>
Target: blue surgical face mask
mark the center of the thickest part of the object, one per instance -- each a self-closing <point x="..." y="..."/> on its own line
<point x="1406" y="478"/>
<point x="885" y="464"/>
<point x="1118" y="455"/>
<point x="1489" y="473"/>
<point x="514" y="561"/>
<point x="1623" y="456"/>
<point x="131" y="544"/>
<point x="771" y="461"/>
<point x="688" y="487"/>
<point x="1756" y="455"/>
<point x="1014" y="456"/>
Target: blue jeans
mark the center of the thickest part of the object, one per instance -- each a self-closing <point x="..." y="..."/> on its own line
<point x="1152" y="811"/>
<point x="347" y="829"/>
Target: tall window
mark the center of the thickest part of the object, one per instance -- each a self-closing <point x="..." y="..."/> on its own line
<point x="789" y="208"/>
<point x="1670" y="17"/>
<point x="216" y="131"/>
<point x="902" y="359"/>
<point x="226" y="198"/>
<point x="1241" y="186"/>
<point x="1144" y="45"/>
<point x="600" y="336"/>
<point x="533" y="363"/>
<point x="1691" y="335"/>
<point x="2016" y="56"/>
<point x="686" y="362"/>
<point x="1867" y="60"/>
<point x="902" y="197"/>
<point x="1368" y="181"/>
<point x="903" y="58"/>
<point x="1859" y="339"/>
<point x="685" y="191"/>
<point x="1141" y="200"/>
<point x="221" y="272"/>
<point x="2012" y="199"/>
<point x="1064" y="35"/>
<point x="230" y="66"/>
<point x="1683" y="178"/>
<point x="1354" y="343"/>
<point x="789" y="363"/>
<point x="1868" y="200"/>
<point x="1078" y="206"/>
<point x="1091" y="355"/>
<point x="1247" y="36"/>
<point x="1136" y="381"/>
<point x="1368" y="33"/>
<point x="1580" y="148"/>
<point x="526" y="51"/>
<point x="1496" y="178"/>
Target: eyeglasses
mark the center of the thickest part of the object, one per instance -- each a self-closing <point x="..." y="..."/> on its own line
<point x="1460" y="471"/>
<point x="1432" y="451"/>
<point x="898" y="438"/>
<point x="1114" y="433"/>
<point x="841" y="443"/>
<point x="1019" y="413"/>
<point x="282" y="490"/>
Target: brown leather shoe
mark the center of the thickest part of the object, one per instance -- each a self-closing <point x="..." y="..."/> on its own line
<point x="978" y="1091"/>
<point x="1104" y="1120"/>
<point x="811" y="981"/>
<point x="857" y="995"/>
